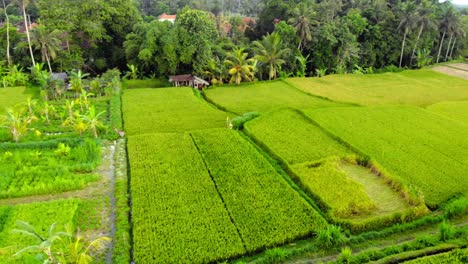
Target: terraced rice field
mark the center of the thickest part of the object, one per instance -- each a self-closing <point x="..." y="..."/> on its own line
<point x="168" y="111"/>
<point x="412" y="87"/>
<point x="263" y="97"/>
<point x="453" y="110"/>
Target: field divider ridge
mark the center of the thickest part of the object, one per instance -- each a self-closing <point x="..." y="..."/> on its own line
<point x="219" y="194"/>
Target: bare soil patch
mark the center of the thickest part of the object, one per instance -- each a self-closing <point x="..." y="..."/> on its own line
<point x="452" y="71"/>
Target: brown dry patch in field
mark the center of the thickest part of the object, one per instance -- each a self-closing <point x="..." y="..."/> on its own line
<point x="460" y="66"/>
<point x="452" y="71"/>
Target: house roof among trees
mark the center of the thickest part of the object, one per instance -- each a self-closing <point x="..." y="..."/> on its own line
<point x="168" y="17"/>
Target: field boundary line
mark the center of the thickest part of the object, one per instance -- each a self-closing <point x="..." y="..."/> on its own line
<point x="219" y="194"/>
<point x="319" y="96"/>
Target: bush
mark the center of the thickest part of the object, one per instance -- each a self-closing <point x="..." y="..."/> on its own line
<point x="331" y="236"/>
<point x="238" y="122"/>
<point x="447" y="231"/>
<point x="456" y="207"/>
<point x="346" y="255"/>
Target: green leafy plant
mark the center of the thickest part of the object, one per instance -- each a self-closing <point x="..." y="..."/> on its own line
<point x="63" y="150"/>
<point x="17" y="123"/>
<point x="321" y="72"/>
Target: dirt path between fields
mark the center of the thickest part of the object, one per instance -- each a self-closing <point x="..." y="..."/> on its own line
<point x="460" y="71"/>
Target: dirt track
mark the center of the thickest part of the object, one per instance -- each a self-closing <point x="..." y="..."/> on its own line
<point x="458" y="70"/>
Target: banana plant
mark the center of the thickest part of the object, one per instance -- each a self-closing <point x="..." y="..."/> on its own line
<point x="17" y="122"/>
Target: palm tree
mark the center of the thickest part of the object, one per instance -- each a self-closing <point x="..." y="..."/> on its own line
<point x="303" y="20"/>
<point x="7" y="32"/>
<point x="456" y="30"/>
<point x="424" y="20"/>
<point x="271" y="53"/>
<point x="448" y="18"/>
<point x="406" y="23"/>
<point x="23" y="5"/>
<point x="48" y="42"/>
<point x="239" y="67"/>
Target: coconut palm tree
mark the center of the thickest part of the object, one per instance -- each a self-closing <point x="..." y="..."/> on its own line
<point x="448" y="18"/>
<point x="23" y="4"/>
<point x="271" y="52"/>
<point x="48" y="42"/>
<point x="239" y="67"/>
<point x="7" y="32"/>
<point x="425" y="20"/>
<point x="456" y="31"/>
<point x="302" y="19"/>
<point x="407" y="22"/>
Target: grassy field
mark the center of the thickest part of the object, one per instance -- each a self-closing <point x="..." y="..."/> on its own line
<point x="454" y="110"/>
<point x="423" y="149"/>
<point x="413" y="87"/>
<point x="292" y="138"/>
<point x="41" y="216"/>
<point x="168" y="110"/>
<point x="178" y="216"/>
<point x="11" y="96"/>
<point x="263" y="97"/>
<point x="265" y="209"/>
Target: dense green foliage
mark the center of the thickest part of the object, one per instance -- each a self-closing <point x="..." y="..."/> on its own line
<point x="264" y="208"/>
<point x="176" y="210"/>
<point x="452" y="257"/>
<point x="168" y="110"/>
<point x="41" y="215"/>
<point x="421" y="87"/>
<point x="454" y="110"/>
<point x="263" y="97"/>
<point x="424" y="150"/>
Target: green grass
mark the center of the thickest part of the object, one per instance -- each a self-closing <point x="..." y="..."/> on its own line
<point x="263" y="206"/>
<point x="288" y="135"/>
<point x="422" y="149"/>
<point x="12" y="96"/>
<point x="412" y="87"/>
<point x="148" y="83"/>
<point x="263" y="97"/>
<point x="453" y="257"/>
<point x="33" y="168"/>
<point x="40" y="215"/>
<point x="386" y="200"/>
<point x="454" y="110"/>
<point x="177" y="214"/>
<point x="168" y="110"/>
<point x="344" y="195"/>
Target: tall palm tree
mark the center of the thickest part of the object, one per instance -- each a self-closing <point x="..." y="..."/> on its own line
<point x="303" y="20"/>
<point x="455" y="31"/>
<point x="48" y="42"/>
<point x="448" y="18"/>
<point x="239" y="67"/>
<point x="425" y="19"/>
<point x="7" y="18"/>
<point x="458" y="32"/>
<point x="23" y="4"/>
<point x="271" y="52"/>
<point x="407" y="22"/>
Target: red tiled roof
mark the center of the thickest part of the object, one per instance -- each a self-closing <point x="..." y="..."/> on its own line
<point x="166" y="16"/>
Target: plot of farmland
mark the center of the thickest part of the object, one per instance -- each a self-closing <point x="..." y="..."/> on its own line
<point x="265" y="209"/>
<point x="263" y="97"/>
<point x="11" y="96"/>
<point x="423" y="149"/>
<point x="178" y="216"/>
<point x="421" y="87"/>
<point x="168" y="110"/>
<point x="292" y="138"/>
<point x="454" y="110"/>
<point x="41" y="215"/>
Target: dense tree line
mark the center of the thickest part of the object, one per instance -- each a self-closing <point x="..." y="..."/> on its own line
<point x="231" y="40"/>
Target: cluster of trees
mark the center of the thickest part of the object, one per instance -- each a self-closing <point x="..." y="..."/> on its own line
<point x="210" y="37"/>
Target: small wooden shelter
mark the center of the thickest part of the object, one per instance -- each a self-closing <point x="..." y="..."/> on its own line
<point x="188" y="80"/>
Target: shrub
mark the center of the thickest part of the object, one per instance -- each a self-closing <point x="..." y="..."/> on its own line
<point x="238" y="122"/>
<point x="331" y="236"/>
<point x="456" y="207"/>
<point x="346" y="255"/>
<point x="447" y="231"/>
